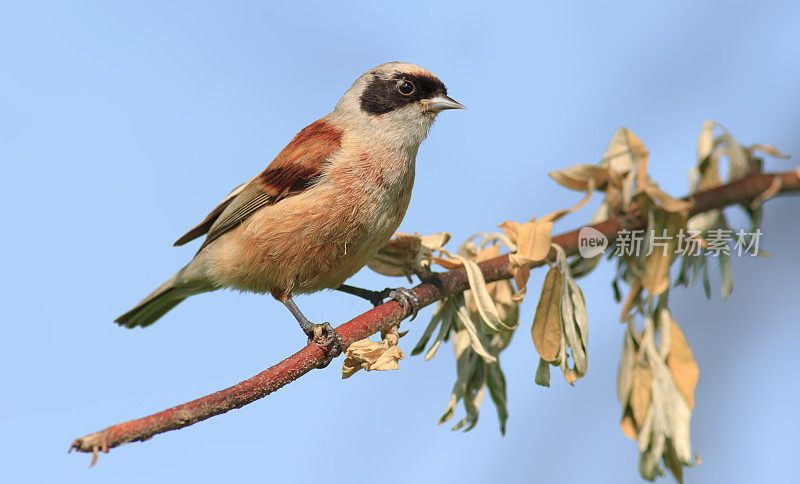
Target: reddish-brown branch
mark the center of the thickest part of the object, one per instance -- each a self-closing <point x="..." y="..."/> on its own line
<point x="387" y="314"/>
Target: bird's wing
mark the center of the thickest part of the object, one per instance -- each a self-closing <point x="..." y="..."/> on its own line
<point x="294" y="170"/>
<point x="207" y="222"/>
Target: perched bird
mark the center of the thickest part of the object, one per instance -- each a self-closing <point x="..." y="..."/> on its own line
<point x="324" y="206"/>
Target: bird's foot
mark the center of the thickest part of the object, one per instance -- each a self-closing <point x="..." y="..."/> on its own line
<point x="324" y="336"/>
<point x="407" y="299"/>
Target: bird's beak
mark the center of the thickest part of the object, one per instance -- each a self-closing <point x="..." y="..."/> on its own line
<point x="442" y="102"/>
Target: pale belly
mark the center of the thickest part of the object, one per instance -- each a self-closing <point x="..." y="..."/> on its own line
<point x="308" y="242"/>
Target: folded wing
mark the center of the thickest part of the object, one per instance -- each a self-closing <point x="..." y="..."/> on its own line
<point x="296" y="168"/>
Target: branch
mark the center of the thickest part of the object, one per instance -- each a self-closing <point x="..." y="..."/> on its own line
<point x="387" y="314"/>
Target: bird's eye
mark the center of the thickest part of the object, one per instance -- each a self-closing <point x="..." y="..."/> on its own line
<point x="405" y="87"/>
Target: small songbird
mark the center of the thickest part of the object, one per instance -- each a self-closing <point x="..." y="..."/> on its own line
<point x="324" y="206"/>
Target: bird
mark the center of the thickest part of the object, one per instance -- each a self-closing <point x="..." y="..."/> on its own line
<point x="321" y="209"/>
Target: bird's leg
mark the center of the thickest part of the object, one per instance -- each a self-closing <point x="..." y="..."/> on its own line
<point x="407" y="299"/>
<point x="375" y="297"/>
<point x="322" y="335"/>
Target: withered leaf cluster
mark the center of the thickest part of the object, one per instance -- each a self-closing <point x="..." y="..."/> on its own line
<point x="657" y="373"/>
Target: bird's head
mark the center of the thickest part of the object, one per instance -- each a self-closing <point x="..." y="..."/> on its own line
<point x="396" y="98"/>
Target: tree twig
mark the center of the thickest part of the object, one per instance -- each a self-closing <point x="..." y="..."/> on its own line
<point x="389" y="313"/>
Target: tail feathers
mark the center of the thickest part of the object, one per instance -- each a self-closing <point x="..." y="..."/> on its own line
<point x="166" y="297"/>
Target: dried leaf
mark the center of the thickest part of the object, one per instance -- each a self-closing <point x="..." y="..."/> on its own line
<point x="641" y="161"/>
<point x="628" y="188"/>
<point x="398" y="256"/>
<point x="435" y="241"/>
<point x="656" y="276"/>
<point x="475" y="335"/>
<point x="502" y="293"/>
<point x="533" y="242"/>
<point x="738" y="165"/>
<point x="370" y="355"/>
<point x="656" y="271"/>
<point x="574" y="322"/>
<point x="405" y="254"/>
<point x="623" y="152"/>
<point x="483" y="300"/>
<point x="448" y="264"/>
<point x="579" y="310"/>
<point x="570" y="375"/>
<point x="667" y="421"/>
<point x="581" y="177"/>
<point x="651" y="448"/>
<point x="511" y="229"/>
<point x="663" y="321"/>
<point x="462" y="342"/>
<point x="626" y="365"/>
<point x="640" y="393"/>
<point x="768" y="149"/>
<point x="774" y="187"/>
<point x="705" y="142"/>
<point x="546" y="329"/>
<point x="489" y="252"/>
<point x="632" y="300"/>
<point x="677" y="422"/>
<point x="708" y="173"/>
<point x="682" y="365"/>
<point x="558" y="214"/>
<point x="628" y="426"/>
<point x="487" y="239"/>
<point x="575" y="325"/>
<point x="388" y="360"/>
<point x="521" y="276"/>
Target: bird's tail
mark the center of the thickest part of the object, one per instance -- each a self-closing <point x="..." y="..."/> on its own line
<point x="166" y="297"/>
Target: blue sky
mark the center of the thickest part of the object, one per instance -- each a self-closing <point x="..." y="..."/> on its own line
<point x="121" y="125"/>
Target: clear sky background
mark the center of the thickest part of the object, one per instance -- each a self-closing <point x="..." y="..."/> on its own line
<point x="122" y="125"/>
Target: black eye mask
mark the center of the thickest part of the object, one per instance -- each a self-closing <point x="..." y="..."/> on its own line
<point x="382" y="96"/>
